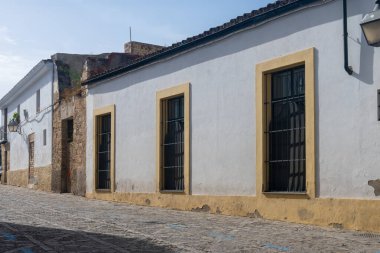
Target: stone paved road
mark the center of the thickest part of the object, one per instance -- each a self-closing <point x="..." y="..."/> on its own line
<point x="32" y="221"/>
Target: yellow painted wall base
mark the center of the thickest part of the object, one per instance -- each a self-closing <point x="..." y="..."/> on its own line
<point x="42" y="178"/>
<point x="351" y="214"/>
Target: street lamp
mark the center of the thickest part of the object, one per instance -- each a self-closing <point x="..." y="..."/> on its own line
<point x="13" y="126"/>
<point x="371" y="26"/>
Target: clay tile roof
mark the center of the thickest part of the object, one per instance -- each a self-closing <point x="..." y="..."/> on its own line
<point x="256" y="16"/>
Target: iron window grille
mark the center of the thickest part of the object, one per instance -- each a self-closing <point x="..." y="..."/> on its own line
<point x="103" y="152"/>
<point x="285" y="133"/>
<point x="172" y="145"/>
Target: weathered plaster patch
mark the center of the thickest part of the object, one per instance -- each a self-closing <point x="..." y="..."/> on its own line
<point x="204" y="208"/>
<point x="376" y="186"/>
<point x="255" y="214"/>
<point x="336" y="225"/>
<point x="40" y="181"/>
<point x="305" y="214"/>
<point x="346" y="213"/>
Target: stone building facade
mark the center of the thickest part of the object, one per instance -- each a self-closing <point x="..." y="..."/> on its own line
<point x="141" y="49"/>
<point x="26" y="152"/>
<point x="69" y="110"/>
<point x="48" y="150"/>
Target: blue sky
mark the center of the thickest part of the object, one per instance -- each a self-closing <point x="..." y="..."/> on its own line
<point x="34" y="30"/>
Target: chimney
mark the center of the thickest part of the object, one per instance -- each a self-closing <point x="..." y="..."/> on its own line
<point x="140" y="49"/>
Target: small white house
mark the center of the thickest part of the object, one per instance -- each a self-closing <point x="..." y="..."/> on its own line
<point x="43" y="127"/>
<point x="29" y="105"/>
<point x="258" y="117"/>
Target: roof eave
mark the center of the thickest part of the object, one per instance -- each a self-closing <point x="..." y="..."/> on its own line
<point x="25" y="82"/>
<point x="203" y="40"/>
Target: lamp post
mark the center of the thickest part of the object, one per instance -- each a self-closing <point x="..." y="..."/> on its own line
<point x="13" y="125"/>
<point x="371" y="26"/>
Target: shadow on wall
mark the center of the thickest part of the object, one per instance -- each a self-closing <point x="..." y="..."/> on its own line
<point x="23" y="238"/>
<point x="365" y="73"/>
<point x="25" y="127"/>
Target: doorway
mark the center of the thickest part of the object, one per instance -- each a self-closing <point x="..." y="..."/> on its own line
<point x="31" y="159"/>
<point x="67" y="141"/>
<point x="5" y="167"/>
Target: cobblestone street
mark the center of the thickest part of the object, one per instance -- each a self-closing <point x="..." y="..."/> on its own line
<point x="33" y="221"/>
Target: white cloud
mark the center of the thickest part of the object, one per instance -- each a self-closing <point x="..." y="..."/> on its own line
<point x="12" y="69"/>
<point x="5" y="37"/>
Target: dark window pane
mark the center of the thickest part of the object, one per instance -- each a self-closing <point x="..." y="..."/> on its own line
<point x="103" y="151"/>
<point x="172" y="129"/>
<point x="38" y="101"/>
<point x="70" y="130"/>
<point x="286" y="133"/>
<point x="281" y="86"/>
<point x="104" y="181"/>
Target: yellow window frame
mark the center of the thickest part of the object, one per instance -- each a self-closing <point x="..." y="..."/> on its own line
<point x="263" y="76"/>
<point x="183" y="89"/>
<point x="100" y="112"/>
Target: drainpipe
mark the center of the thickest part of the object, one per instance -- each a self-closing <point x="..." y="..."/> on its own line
<point x="52" y="112"/>
<point x="345" y="39"/>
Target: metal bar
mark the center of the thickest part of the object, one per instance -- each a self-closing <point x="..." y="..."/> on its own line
<point x="171" y="144"/>
<point x="288" y="99"/>
<point x="174" y="120"/>
<point x="284" y="161"/>
<point x="103" y="152"/>
<point x="172" y="167"/>
<point x="284" y="130"/>
<point x="107" y="133"/>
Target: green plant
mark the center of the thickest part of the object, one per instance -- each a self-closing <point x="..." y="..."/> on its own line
<point x="16" y="116"/>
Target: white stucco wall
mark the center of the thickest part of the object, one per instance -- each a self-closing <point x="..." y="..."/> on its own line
<point x="222" y="77"/>
<point x="36" y="122"/>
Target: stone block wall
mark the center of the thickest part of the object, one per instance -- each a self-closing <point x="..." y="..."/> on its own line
<point x="18" y="177"/>
<point x="41" y="178"/>
<point x="69" y="159"/>
<point x="57" y="146"/>
<point x="5" y="161"/>
<point x="78" y="152"/>
<point x="141" y="49"/>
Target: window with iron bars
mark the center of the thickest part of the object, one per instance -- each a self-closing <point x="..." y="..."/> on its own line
<point x="285" y="133"/>
<point x="103" y="152"/>
<point x="172" y="146"/>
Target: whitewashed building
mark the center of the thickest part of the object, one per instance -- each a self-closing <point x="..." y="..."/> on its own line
<point x="42" y="127"/>
<point x="45" y="150"/>
<point x="258" y="117"/>
<point x="29" y="104"/>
